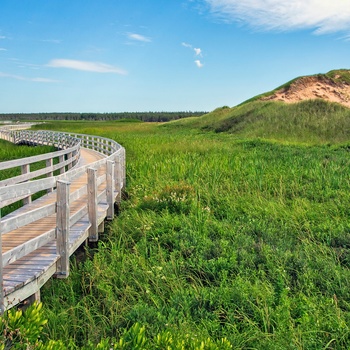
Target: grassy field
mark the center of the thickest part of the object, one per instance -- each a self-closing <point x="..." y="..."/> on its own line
<point x="225" y="240"/>
<point x="9" y="151"/>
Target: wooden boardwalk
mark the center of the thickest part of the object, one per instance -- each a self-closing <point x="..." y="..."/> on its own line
<point x="38" y="238"/>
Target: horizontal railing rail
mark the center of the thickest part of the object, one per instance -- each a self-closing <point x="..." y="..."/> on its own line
<point x="66" y="158"/>
<point x="105" y="181"/>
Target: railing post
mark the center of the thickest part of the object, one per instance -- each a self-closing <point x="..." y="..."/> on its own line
<point x="49" y="164"/>
<point x="123" y="168"/>
<point x="25" y="169"/>
<point x="69" y="156"/>
<point x="118" y="178"/>
<point x="92" y="203"/>
<point x="62" y="229"/>
<point x="61" y="160"/>
<point x="2" y="308"/>
<point x="110" y="189"/>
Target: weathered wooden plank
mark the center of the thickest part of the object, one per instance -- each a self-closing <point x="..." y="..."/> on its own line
<point x="76" y="194"/>
<point x="49" y="165"/>
<point x="62" y="229"/>
<point x="13" y="191"/>
<point x="12" y="299"/>
<point x="78" y="215"/>
<point x="78" y="235"/>
<point x="92" y="203"/>
<point x="38" y="262"/>
<point x="24" y="177"/>
<point x="2" y="308"/>
<point x="29" y="246"/>
<point x="101" y="195"/>
<point x="118" y="177"/>
<point x="101" y="179"/>
<point x="110" y="189"/>
<point x="123" y="167"/>
<point x="29" y="160"/>
<point x="20" y="220"/>
<point x="25" y="170"/>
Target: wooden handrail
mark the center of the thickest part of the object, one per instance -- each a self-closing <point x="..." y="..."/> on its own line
<point x="68" y="154"/>
<point x="108" y="185"/>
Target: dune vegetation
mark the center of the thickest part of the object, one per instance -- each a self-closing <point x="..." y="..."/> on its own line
<point x="234" y="233"/>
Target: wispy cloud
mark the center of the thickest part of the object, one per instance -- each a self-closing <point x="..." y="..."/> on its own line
<point x="197" y="52"/>
<point x="2" y="37"/>
<point x="2" y="49"/>
<point x="52" y="41"/>
<point x="198" y="63"/>
<point x="20" y="77"/>
<point x="97" y="67"/>
<point x="186" y="45"/>
<point x="322" y="16"/>
<point x="138" y="37"/>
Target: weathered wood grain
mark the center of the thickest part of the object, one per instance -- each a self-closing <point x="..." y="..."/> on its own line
<point x="62" y="228"/>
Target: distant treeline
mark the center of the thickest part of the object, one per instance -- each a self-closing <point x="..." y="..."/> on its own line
<point x="143" y="116"/>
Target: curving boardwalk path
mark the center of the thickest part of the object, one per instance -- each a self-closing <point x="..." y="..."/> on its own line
<point x="38" y="238"/>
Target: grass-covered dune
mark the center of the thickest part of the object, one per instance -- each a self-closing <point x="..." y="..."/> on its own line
<point x="311" y="121"/>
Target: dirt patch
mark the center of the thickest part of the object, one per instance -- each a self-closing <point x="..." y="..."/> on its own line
<point x="309" y="88"/>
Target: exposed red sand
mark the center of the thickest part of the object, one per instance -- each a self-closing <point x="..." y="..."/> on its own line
<point x="313" y="87"/>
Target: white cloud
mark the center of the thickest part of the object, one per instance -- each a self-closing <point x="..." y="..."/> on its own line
<point x="323" y="16"/>
<point x="2" y="49"/>
<point x="2" y="37"/>
<point x="198" y="51"/>
<point x="138" y="37"/>
<point x="198" y="63"/>
<point x="20" y="77"/>
<point x="97" y="67"/>
<point x="186" y="45"/>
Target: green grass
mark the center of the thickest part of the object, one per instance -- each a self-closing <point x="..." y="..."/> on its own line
<point x="10" y="151"/>
<point x="308" y="122"/>
<point x="238" y="236"/>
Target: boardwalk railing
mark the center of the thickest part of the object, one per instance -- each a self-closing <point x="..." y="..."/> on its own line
<point x="64" y="159"/>
<point x="80" y="195"/>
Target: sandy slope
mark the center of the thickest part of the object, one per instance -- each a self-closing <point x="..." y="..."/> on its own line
<point x="313" y="87"/>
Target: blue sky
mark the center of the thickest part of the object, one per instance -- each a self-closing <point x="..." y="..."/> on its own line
<point x="162" y="55"/>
